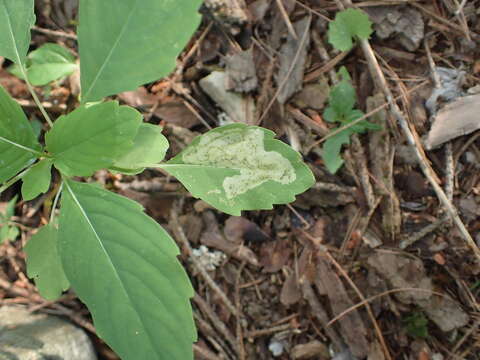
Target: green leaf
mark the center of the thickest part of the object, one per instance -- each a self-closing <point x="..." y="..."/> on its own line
<point x="150" y="147"/>
<point x="37" y="180"/>
<point x="332" y="149"/>
<point x="18" y="144"/>
<point x="8" y="233"/>
<point x="92" y="137"/>
<point x="238" y="167"/>
<point x="348" y="24"/>
<point x="16" y="20"/>
<point x="125" y="44"/>
<point x="342" y="98"/>
<point x="10" y="210"/>
<point x="416" y="325"/>
<point x="123" y="266"/>
<point x="48" y="63"/>
<point x="44" y="265"/>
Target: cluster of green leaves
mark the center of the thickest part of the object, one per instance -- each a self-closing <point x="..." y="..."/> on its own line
<point x="118" y="260"/>
<point x="348" y="25"/>
<point x="341" y="102"/>
<point x="8" y="230"/>
<point x="46" y="64"/>
<point x="416" y="325"/>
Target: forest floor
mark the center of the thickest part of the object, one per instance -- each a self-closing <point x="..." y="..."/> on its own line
<point x="369" y="263"/>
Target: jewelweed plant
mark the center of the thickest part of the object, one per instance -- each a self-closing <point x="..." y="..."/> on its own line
<point x="340" y="109"/>
<point x="347" y="26"/>
<point x="118" y="260"/>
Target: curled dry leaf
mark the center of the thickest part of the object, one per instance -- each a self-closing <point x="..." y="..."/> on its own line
<point x="457" y="118"/>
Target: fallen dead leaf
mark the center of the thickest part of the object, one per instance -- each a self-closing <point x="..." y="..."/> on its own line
<point x="457" y="118"/>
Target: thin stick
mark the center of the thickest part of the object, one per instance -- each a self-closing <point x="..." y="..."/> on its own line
<point x="291" y="30"/>
<point x="180" y="235"/>
<point x="54" y="33"/>
<point x="34" y="95"/>
<point x="374" y="297"/>
<point x="13" y="180"/>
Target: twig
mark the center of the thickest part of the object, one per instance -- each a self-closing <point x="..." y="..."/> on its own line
<point x="180" y="235"/>
<point x="217" y="323"/>
<point x="460" y="7"/>
<point x="449" y="163"/>
<point x="374" y="297"/>
<point x="377" y="74"/>
<point x="204" y="353"/>
<point x="290" y="28"/>
<point x="240" y="344"/>
<point x="422" y="233"/>
<point x="263" y="332"/>
<point x="54" y="33"/>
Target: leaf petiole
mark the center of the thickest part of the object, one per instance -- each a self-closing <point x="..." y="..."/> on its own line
<point x="14" y="180"/>
<point x="34" y="95"/>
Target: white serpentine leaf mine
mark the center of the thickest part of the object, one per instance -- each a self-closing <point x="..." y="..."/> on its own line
<point x="243" y="150"/>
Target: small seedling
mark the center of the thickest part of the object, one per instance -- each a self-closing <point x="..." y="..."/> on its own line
<point x="347" y="26"/>
<point x="416" y="325"/>
<point x="341" y="110"/>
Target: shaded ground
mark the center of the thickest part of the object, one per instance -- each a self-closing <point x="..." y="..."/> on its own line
<point x="366" y="264"/>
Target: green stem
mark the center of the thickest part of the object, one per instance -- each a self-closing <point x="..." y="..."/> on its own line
<point x="35" y="97"/>
<point x="13" y="180"/>
<point x="55" y="201"/>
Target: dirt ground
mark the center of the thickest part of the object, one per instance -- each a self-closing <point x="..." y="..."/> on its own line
<point x="377" y="261"/>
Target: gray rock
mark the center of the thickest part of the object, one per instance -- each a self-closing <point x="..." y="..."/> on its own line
<point x="238" y="108"/>
<point x="30" y="336"/>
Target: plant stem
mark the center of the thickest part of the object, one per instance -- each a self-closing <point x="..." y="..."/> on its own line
<point x="13" y="180"/>
<point x="35" y="97"/>
<point x="55" y="201"/>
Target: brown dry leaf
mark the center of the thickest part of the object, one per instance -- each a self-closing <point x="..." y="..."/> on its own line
<point x="406" y="23"/>
<point x="376" y="352"/>
<point x="175" y="112"/>
<point x="352" y="327"/>
<point x="213" y="238"/>
<point x="313" y="96"/>
<point x="258" y="9"/>
<point x="460" y="117"/>
<point x="13" y="85"/>
<point x="312" y="350"/>
<point x="445" y="313"/>
<point x="292" y="79"/>
<point x="238" y="229"/>
<point x="403" y="271"/>
<point x="138" y="98"/>
<point x="193" y="227"/>
<point x="290" y="293"/>
<point x="406" y="271"/>
<point x="238" y="108"/>
<point x="241" y="72"/>
<point x="274" y="256"/>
